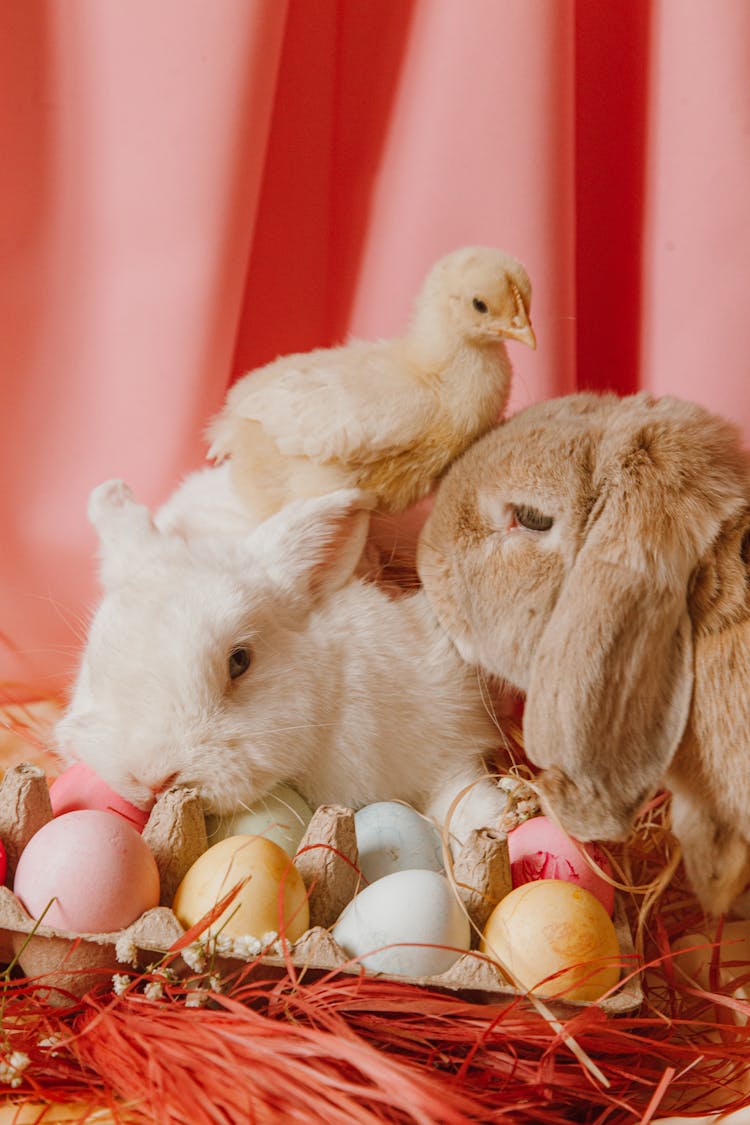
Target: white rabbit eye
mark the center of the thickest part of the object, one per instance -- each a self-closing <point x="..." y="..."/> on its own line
<point x="531" y="519"/>
<point x="239" y="662"/>
<point x="479" y="305"/>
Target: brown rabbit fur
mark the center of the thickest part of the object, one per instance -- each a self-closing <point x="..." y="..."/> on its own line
<point x="623" y="614"/>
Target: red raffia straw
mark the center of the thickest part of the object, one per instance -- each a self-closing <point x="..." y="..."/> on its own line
<point x="194" y="932"/>
<point x="360" y="1050"/>
<point x="271" y="1045"/>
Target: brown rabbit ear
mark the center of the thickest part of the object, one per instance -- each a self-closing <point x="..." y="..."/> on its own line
<point x="609" y="697"/>
<point x="611" y="682"/>
<point x="708" y="778"/>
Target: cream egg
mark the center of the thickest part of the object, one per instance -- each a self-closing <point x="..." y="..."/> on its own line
<point x="281" y="816"/>
<point x="554" y="929"/>
<point x="271" y="898"/>
<point x="394" y="837"/>
<point x="91" y="868"/>
<point x="413" y="912"/>
<point x="538" y="849"/>
<point x="717" y="957"/>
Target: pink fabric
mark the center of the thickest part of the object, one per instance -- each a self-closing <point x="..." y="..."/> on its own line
<point x="190" y="189"/>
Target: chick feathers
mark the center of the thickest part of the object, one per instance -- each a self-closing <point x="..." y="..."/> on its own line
<point x="386" y="416"/>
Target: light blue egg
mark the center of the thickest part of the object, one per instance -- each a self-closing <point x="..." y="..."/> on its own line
<point x="395" y="837"/>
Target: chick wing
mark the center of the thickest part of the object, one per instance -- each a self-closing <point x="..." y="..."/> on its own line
<point x="353" y="404"/>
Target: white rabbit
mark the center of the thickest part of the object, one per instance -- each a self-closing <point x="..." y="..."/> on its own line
<point x="594" y="552"/>
<point x="205" y="504"/>
<point x="229" y="658"/>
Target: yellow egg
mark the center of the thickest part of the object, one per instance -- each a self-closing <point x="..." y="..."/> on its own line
<point x="551" y="926"/>
<point x="255" y="910"/>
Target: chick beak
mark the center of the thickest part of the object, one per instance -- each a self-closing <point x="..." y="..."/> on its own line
<point x="522" y="332"/>
<point x="519" y="327"/>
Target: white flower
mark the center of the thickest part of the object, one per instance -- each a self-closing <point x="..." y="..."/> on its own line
<point x="162" y="972"/>
<point x="119" y="983"/>
<point x="126" y="951"/>
<point x="52" y="1042"/>
<point x="12" y="1068"/>
<point x="196" y="998"/>
<point x="154" y="990"/>
<point x="194" y="956"/>
<point x="246" y="947"/>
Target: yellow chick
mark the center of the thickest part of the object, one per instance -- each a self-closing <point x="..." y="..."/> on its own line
<point x="386" y="416"/>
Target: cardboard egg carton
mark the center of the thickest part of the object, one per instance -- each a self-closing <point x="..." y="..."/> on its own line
<point x="327" y="860"/>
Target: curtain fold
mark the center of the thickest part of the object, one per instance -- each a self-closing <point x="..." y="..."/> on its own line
<point x="133" y="136"/>
<point x="480" y="149"/>
<point x="190" y="189"/>
<point x="696" y="236"/>
<point x="612" y="87"/>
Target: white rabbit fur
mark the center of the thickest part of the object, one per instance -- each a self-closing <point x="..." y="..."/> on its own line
<point x="626" y="622"/>
<point x="350" y="695"/>
<point x="205" y="504"/>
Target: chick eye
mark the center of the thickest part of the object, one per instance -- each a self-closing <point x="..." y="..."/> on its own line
<point x="238" y="662"/>
<point x="479" y="305"/>
<point x="531" y="519"/>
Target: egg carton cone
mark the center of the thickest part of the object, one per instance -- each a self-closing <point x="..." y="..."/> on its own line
<point x="71" y="964"/>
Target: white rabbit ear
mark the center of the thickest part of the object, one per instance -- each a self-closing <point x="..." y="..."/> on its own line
<point x="124" y="527"/>
<point x="312" y="547"/>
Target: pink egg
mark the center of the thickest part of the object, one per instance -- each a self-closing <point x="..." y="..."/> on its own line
<point x="78" y="787"/>
<point x="96" y="867"/>
<point x="3" y="863"/>
<point x="540" y="850"/>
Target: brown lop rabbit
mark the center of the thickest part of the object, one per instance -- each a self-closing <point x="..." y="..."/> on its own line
<point x="593" y="552"/>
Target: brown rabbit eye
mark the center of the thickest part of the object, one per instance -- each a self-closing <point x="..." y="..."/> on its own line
<point x="479" y="305"/>
<point x="239" y="662"/>
<point x="531" y="519"/>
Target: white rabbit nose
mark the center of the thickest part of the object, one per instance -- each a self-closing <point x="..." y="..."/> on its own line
<point x="160" y="787"/>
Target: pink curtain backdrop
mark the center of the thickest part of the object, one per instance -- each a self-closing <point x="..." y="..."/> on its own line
<point x="190" y="189"/>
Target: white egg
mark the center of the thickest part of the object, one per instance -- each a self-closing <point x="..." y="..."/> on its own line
<point x="281" y="816"/>
<point x="415" y="909"/>
<point x="394" y="837"/>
